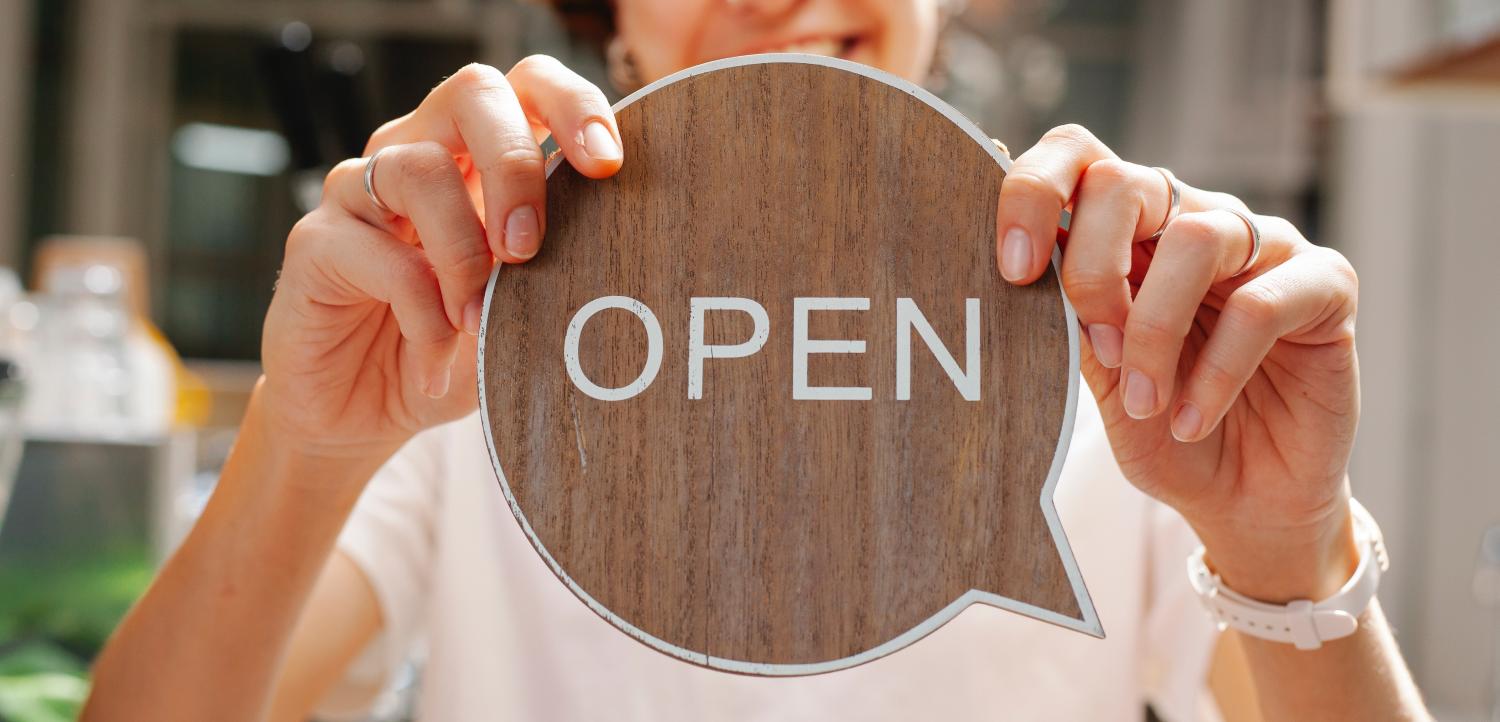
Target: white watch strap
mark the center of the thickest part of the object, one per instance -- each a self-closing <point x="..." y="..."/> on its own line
<point x="1302" y="622"/>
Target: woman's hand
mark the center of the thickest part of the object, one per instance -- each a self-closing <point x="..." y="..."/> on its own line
<point x="1231" y="395"/>
<point x="370" y="336"/>
<point x="369" y="339"/>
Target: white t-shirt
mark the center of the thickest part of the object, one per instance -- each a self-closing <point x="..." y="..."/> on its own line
<point x="504" y="639"/>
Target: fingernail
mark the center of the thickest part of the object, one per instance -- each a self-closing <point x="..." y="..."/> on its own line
<point x="471" y="315"/>
<point x="438" y="387"/>
<point x="599" y="143"/>
<point x="1140" y="395"/>
<point x="522" y="234"/>
<point x="1015" y="254"/>
<point x="1187" y="423"/>
<point x="1109" y="344"/>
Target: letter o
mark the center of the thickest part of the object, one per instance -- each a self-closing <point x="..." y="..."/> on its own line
<point x="653" y="348"/>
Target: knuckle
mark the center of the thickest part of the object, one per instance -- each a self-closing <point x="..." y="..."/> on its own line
<point x="416" y="280"/>
<point x="1254" y="306"/>
<point x="1110" y="172"/>
<point x="1342" y="268"/>
<point x="304" y="232"/>
<point x="1028" y="184"/>
<point x="590" y="100"/>
<point x="427" y="162"/>
<point x="473" y="84"/>
<point x="1213" y="373"/>
<point x="537" y="64"/>
<point x="345" y="171"/>
<point x="1342" y="279"/>
<point x="521" y="162"/>
<point x="1113" y="177"/>
<point x="1194" y="246"/>
<point x="473" y="259"/>
<point x="474" y="265"/>
<point x="1071" y="133"/>
<point x="1196" y="228"/>
<point x="475" y="77"/>
<point x="1083" y="283"/>
<point x="1151" y="331"/>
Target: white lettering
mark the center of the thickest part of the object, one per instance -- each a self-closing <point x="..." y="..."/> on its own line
<point x="802" y="346"/>
<point x="966" y="379"/>
<point x="697" y="350"/>
<point x="653" y="348"/>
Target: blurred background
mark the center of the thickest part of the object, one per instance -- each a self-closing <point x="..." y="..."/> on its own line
<point x="154" y="154"/>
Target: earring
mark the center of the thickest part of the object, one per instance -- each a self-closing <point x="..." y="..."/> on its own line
<point x="620" y="67"/>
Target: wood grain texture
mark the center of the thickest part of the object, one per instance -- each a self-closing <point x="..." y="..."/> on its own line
<point x="748" y="525"/>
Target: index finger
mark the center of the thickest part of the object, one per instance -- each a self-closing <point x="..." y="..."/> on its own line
<point x="573" y="110"/>
<point x="1034" y="193"/>
<point x="475" y="112"/>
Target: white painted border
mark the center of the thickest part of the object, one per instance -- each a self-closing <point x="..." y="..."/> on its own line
<point x="1089" y="624"/>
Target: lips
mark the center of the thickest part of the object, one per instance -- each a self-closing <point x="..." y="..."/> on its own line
<point x="815" y="46"/>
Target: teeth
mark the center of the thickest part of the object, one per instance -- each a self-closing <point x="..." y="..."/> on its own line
<point x="826" y="47"/>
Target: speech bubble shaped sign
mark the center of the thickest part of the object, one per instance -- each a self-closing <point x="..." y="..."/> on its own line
<point x="763" y="401"/>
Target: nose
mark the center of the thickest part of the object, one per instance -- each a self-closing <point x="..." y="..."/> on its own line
<point x="764" y="8"/>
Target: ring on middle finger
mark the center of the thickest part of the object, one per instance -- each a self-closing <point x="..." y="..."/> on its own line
<point x="1174" y="202"/>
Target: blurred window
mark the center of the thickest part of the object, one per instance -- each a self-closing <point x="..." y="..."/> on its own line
<point x="257" y="120"/>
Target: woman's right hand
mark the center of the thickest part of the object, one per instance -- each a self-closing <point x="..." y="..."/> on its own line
<point x="370" y="336"/>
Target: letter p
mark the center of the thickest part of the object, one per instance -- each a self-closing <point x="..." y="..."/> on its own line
<point x="698" y="351"/>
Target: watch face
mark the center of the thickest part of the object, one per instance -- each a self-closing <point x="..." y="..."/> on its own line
<point x="763" y="400"/>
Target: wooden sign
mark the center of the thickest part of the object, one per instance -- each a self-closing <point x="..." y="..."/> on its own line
<point x="764" y="401"/>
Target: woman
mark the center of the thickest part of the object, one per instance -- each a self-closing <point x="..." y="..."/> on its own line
<point x="1222" y="367"/>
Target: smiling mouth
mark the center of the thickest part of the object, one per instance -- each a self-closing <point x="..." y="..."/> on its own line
<point x="831" y="47"/>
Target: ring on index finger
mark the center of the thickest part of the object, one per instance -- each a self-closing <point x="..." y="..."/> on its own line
<point x="1174" y="202"/>
<point x="370" y="184"/>
<point x="1254" y="239"/>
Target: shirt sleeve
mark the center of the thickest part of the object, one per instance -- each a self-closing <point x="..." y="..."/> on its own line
<point x="389" y="537"/>
<point x="1180" y="637"/>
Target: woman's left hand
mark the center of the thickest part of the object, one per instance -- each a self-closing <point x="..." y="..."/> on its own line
<point x="1229" y="392"/>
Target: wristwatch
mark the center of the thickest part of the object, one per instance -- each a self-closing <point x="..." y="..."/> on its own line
<point x="1303" y="622"/>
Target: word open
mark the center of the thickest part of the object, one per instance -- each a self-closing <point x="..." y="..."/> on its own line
<point x="908" y="318"/>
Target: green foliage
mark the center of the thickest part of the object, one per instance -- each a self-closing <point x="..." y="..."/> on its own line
<point x="77" y="603"/>
<point x="40" y="682"/>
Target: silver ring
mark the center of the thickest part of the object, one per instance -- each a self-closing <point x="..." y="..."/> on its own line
<point x="1174" y="202"/>
<point x="370" y="184"/>
<point x="1254" y="238"/>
